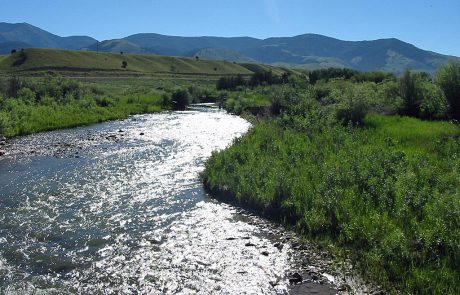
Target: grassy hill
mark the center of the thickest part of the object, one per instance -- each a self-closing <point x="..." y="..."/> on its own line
<point x="222" y="54"/>
<point x="87" y="61"/>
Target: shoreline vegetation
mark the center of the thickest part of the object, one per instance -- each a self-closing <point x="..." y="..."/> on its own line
<point x="367" y="163"/>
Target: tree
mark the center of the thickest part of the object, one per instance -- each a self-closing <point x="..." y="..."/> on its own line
<point x="13" y="51"/>
<point x="448" y="78"/>
<point x="124" y="64"/>
<point x="197" y="58"/>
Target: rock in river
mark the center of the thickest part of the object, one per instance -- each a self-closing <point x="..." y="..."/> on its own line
<point x="296" y="278"/>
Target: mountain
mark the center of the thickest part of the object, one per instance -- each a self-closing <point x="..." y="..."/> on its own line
<point x="306" y="51"/>
<point x="39" y="38"/>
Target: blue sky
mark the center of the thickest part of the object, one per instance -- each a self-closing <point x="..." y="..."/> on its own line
<point x="428" y="24"/>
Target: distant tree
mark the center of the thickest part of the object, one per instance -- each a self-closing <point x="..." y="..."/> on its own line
<point x="121" y="52"/>
<point x="13" y="51"/>
<point x="197" y="58"/>
<point x="448" y="78"/>
<point x="124" y="64"/>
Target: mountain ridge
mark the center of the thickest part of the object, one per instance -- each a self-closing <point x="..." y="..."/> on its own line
<point x="306" y="51"/>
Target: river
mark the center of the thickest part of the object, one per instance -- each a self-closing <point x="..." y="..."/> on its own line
<point x="118" y="208"/>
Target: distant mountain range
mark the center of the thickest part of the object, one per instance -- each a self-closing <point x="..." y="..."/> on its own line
<point x="307" y="51"/>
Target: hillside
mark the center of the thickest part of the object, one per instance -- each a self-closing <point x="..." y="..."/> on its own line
<point x="72" y="60"/>
<point x="222" y="54"/>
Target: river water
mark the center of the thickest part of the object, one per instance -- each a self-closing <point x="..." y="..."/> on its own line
<point x="118" y="208"/>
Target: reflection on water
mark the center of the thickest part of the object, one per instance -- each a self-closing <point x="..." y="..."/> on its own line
<point x="118" y="208"/>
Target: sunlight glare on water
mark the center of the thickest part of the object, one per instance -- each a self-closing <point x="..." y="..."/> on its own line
<point x="127" y="213"/>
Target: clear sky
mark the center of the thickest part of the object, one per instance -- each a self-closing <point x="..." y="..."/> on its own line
<point x="428" y="24"/>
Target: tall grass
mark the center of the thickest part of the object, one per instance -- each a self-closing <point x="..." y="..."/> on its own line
<point x="55" y="103"/>
<point x="389" y="190"/>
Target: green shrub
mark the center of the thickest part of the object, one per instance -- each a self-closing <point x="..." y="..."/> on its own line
<point x="166" y="100"/>
<point x="448" y="78"/>
<point x="104" y="101"/>
<point x="14" y="84"/>
<point x="180" y="99"/>
<point x="352" y="111"/>
<point x="434" y="104"/>
<point x="26" y="95"/>
<point x="410" y="93"/>
<point x="421" y="98"/>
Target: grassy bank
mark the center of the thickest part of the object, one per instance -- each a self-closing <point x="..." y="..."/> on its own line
<point x="390" y="194"/>
<point x="385" y="187"/>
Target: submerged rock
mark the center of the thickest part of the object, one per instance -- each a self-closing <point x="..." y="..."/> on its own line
<point x="296" y="278"/>
<point x="2" y="152"/>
